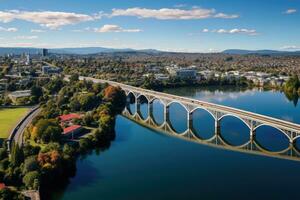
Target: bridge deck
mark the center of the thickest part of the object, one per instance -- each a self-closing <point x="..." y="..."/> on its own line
<point x="193" y="102"/>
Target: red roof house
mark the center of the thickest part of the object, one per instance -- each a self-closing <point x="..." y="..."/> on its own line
<point x="72" y="130"/>
<point x="2" y="186"/>
<point x="69" y="117"/>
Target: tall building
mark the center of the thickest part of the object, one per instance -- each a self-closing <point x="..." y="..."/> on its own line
<point x="45" y="52"/>
<point x="28" y="59"/>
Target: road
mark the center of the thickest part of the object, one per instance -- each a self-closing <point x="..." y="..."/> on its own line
<point x="17" y="133"/>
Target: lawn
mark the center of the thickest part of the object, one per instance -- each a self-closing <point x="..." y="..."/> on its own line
<point x="9" y="117"/>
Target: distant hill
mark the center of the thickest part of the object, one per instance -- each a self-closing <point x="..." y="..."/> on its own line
<point x="18" y="51"/>
<point x="79" y="51"/>
<point x="260" y="52"/>
<point x="98" y="50"/>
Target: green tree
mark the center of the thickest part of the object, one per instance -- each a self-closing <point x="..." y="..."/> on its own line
<point x="36" y="93"/>
<point x="74" y="78"/>
<point x="30" y="164"/>
<point x="47" y="130"/>
<point x="31" y="178"/>
<point x="17" y="155"/>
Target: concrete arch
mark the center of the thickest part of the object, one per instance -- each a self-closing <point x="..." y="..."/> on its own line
<point x="173" y="131"/>
<point x="228" y="144"/>
<point x="267" y="125"/>
<point x="142" y="95"/>
<point x="132" y="94"/>
<point x="155" y="98"/>
<point x="232" y="115"/>
<point x="264" y="150"/>
<point x="295" y="138"/>
<point x="198" y="138"/>
<point x="187" y="110"/>
<point x="143" y="101"/>
<point x="202" y="108"/>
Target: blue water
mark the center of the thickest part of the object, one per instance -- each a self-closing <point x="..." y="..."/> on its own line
<point x="144" y="164"/>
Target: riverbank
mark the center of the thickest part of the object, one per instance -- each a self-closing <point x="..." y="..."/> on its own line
<point x="48" y="156"/>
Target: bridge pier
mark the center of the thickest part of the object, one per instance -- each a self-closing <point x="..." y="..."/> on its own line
<point x="252" y="134"/>
<point x="137" y="105"/>
<point x="189" y="120"/>
<point x="217" y="127"/>
<point x="166" y="114"/>
<point x="150" y="109"/>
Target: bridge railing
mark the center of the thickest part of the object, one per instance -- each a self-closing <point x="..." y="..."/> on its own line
<point x="220" y="108"/>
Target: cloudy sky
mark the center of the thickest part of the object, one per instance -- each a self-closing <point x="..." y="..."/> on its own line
<point x="176" y="25"/>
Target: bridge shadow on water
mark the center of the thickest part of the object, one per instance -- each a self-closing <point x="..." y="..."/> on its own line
<point x="231" y="134"/>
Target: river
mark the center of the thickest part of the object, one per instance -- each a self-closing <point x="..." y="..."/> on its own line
<point x="144" y="164"/>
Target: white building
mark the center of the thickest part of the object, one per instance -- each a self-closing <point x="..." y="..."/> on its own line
<point x="161" y="77"/>
<point x="14" y="96"/>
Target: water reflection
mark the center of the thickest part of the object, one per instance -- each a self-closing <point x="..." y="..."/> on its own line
<point x="203" y="124"/>
<point x="232" y="141"/>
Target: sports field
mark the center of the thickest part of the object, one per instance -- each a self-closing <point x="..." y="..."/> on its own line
<point x="9" y="117"/>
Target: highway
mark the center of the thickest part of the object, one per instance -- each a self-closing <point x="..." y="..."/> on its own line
<point x="17" y="133"/>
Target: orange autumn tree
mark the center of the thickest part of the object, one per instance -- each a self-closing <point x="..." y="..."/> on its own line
<point x="50" y="159"/>
<point x="116" y="96"/>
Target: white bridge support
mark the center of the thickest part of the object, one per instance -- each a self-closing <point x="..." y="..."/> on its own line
<point x="218" y="112"/>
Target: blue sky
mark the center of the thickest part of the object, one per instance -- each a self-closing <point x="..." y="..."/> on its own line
<point x="177" y="25"/>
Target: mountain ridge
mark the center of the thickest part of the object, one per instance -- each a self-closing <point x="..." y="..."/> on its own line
<point x="98" y="50"/>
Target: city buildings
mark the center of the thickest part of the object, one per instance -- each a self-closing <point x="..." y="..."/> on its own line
<point x="14" y="96"/>
<point x="47" y="70"/>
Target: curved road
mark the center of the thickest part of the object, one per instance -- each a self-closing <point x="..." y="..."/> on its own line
<point x="16" y="134"/>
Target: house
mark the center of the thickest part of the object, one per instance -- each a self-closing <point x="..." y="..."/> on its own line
<point x="2" y="186"/>
<point x="73" y="130"/>
<point x="186" y="73"/>
<point x="65" y="119"/>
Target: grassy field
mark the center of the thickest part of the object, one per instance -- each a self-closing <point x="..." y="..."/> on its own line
<point x="9" y="117"/>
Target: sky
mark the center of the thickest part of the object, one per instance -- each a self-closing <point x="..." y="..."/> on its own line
<point x="172" y="25"/>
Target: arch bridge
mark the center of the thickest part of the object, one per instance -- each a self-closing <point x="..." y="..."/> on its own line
<point x="218" y="112"/>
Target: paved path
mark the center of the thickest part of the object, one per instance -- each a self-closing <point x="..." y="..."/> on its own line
<point x="17" y="133"/>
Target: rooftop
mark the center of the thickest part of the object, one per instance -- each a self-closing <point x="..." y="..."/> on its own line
<point x="69" y="117"/>
<point x="71" y="128"/>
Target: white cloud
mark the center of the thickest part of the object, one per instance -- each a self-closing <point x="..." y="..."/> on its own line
<point x="37" y="31"/>
<point x="11" y="29"/>
<point x="114" y="28"/>
<point x="232" y="31"/>
<point x="290" y="11"/>
<point x="180" y="5"/>
<point x="22" y="37"/>
<point x="290" y="47"/>
<point x="49" y="19"/>
<point x="170" y="13"/>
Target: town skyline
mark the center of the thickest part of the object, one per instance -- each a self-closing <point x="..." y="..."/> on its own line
<point x="192" y="26"/>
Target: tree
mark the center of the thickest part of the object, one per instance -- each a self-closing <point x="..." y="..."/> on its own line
<point x="116" y="96"/>
<point x="30" y="164"/>
<point x="8" y="194"/>
<point x="88" y="101"/>
<point x="74" y="78"/>
<point x="292" y="84"/>
<point x="17" y="155"/>
<point x="3" y="153"/>
<point x="47" y="130"/>
<point x="55" y="85"/>
<point x="36" y="92"/>
<point x="31" y="178"/>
